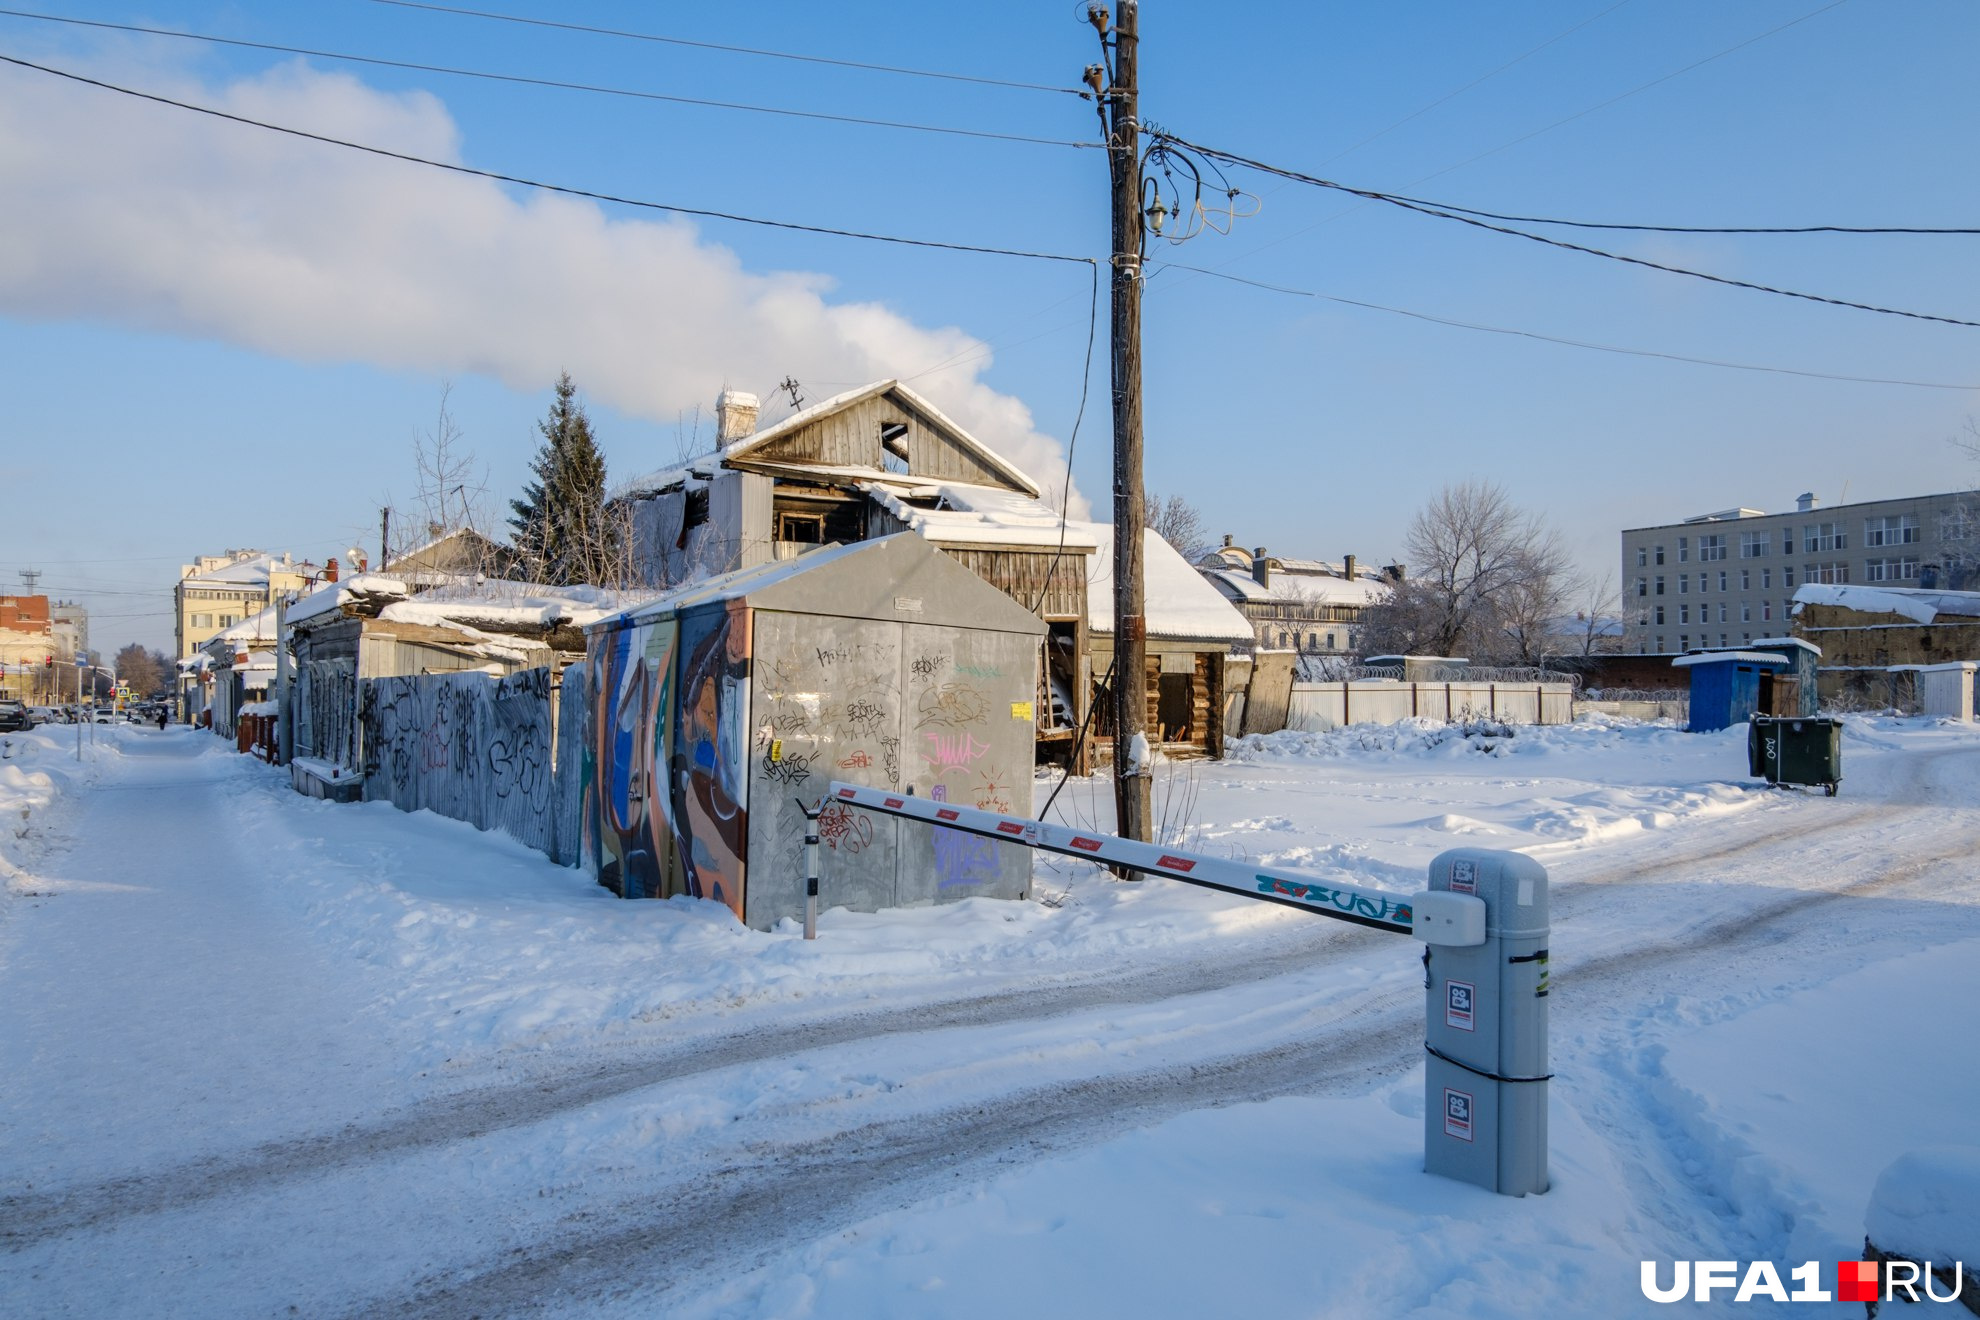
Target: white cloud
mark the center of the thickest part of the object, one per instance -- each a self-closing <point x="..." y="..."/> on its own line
<point x="119" y="211"/>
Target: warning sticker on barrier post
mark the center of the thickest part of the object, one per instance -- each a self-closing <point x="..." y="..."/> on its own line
<point x="1459" y="1000"/>
<point x="1457" y="1114"/>
<point x="1351" y="903"/>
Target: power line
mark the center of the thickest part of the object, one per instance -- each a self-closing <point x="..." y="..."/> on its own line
<point x="524" y="81"/>
<point x="547" y="187"/>
<point x="1568" y="343"/>
<point x="733" y="50"/>
<point x="1431" y="209"/>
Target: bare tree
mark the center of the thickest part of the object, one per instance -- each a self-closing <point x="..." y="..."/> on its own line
<point x="1487" y="581"/>
<point x="450" y="487"/>
<point x="1177" y="521"/>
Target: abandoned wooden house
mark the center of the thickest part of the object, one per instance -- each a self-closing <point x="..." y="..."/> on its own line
<point x="882" y="459"/>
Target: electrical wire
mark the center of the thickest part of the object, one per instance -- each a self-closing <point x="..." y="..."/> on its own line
<point x="1065" y="492"/>
<point x="732" y="50"/>
<point x="562" y="189"/>
<point x="1564" y="342"/>
<point x="522" y="80"/>
<point x="1422" y="208"/>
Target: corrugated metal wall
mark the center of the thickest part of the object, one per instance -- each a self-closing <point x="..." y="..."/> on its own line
<point x="465" y="745"/>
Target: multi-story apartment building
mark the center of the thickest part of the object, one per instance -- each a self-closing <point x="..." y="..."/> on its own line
<point x="1726" y="578"/>
<point x="218" y="591"/>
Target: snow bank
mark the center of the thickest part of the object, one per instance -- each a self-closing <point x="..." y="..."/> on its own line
<point x="1926" y="1205"/>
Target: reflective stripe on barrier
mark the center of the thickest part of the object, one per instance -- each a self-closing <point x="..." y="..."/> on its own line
<point x="1364" y="907"/>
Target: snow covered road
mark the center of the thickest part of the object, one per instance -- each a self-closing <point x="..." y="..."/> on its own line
<point x="278" y="1054"/>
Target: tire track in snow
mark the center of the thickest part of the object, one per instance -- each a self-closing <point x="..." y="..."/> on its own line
<point x="775" y="1195"/>
<point x="466" y="1115"/>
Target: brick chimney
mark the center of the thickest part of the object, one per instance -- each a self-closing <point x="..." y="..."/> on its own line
<point x="1347" y="567"/>
<point x="1261" y="567"/>
<point x="735" y="416"/>
<point x="330" y="571"/>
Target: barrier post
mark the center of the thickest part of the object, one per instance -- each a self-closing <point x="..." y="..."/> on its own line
<point x="811" y="815"/>
<point x="1485" y="1089"/>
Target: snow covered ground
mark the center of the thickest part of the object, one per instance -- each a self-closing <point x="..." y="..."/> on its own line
<point x="263" y="1055"/>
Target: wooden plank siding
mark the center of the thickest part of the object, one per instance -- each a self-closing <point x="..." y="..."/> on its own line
<point x="851" y="438"/>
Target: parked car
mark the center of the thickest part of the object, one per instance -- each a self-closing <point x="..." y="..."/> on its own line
<point x="47" y="715"/>
<point x="14" y="717"/>
<point x="107" y="715"/>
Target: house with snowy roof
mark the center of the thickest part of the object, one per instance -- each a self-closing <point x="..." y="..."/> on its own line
<point x="882" y="459"/>
<point x="1305" y="605"/>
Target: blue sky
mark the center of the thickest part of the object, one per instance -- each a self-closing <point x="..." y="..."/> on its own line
<point x="212" y="336"/>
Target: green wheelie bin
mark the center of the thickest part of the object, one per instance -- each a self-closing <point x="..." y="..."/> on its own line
<point x="1791" y="750"/>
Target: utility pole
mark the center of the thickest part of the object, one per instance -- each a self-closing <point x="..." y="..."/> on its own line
<point x="1129" y="692"/>
<point x="384" y="537"/>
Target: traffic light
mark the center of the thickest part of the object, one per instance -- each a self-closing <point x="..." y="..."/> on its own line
<point x="48" y="663"/>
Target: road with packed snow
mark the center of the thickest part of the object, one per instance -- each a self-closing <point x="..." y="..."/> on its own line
<point x="266" y="1053"/>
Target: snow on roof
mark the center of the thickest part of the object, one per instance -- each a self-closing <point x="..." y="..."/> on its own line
<point x="1787" y="641"/>
<point x="505" y="605"/>
<point x="964" y="514"/>
<point x="331" y="595"/>
<point x="1178" y="603"/>
<point x="1316" y="588"/>
<point x="1918" y="605"/>
<point x="702" y="466"/>
<point x="252" y="571"/>
<point x="1715" y="657"/>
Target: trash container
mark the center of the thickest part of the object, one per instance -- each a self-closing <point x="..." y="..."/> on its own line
<point x="1787" y="750"/>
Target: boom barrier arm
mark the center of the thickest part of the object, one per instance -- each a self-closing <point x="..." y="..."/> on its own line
<point x="1363" y="907"/>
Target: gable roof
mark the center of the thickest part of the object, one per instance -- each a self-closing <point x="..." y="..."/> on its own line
<point x="759" y="448"/>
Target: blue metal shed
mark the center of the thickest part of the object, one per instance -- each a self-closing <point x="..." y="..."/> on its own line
<point x="1793" y="689"/>
<point x="1725" y="685"/>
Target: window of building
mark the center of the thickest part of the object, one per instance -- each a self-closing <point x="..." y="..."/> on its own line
<point x="1660" y="584"/>
<point x="1896" y="569"/>
<point x="202" y="620"/>
<point x="1684" y="549"/>
<point x="1746" y="579"/>
<point x="1659" y="612"/>
<point x="1766" y="610"/>
<point x="1684" y="614"/>
<point x="1745" y="612"/>
<point x="1660" y="555"/>
<point x="1684" y="583"/>
<point x="1766" y="578"/>
<point x="1722" y="579"/>
<point x="1643" y="586"/>
<point x="1897" y="529"/>
<point x="1722" y="639"/>
<point x="1684" y="641"/>
<point x="694" y="512"/>
<point x="1330" y="643"/>
<point x="1712" y="547"/>
<point x="894" y="447"/>
<point x="1834" y="571"/>
<point x="1722" y="611"/>
<point x="1787" y="576"/>
<point x="1819" y="538"/>
<point x="1787" y="540"/>
<point x="1642" y="557"/>
<point x="1660" y="642"/>
<point x="1754" y="545"/>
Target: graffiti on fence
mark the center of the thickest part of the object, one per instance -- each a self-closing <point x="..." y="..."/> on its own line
<point x="842" y="829"/>
<point x="961" y="858"/>
<point x="711" y="827"/>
